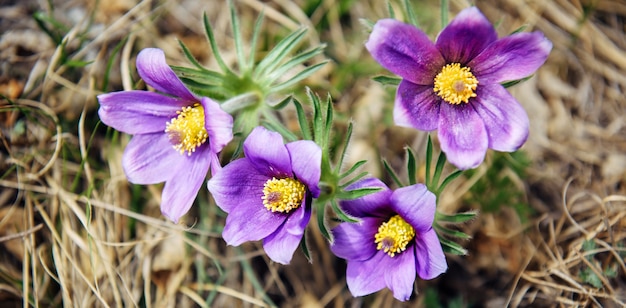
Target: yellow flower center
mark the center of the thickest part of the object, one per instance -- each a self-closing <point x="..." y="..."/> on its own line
<point x="186" y="132"/>
<point x="394" y="235"/>
<point x="455" y="84"/>
<point x="283" y="195"/>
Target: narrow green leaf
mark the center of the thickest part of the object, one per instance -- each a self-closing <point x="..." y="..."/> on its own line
<point x="429" y="158"/>
<point x="520" y="29"/>
<point x="456" y="218"/>
<point x="341" y="214"/>
<point x="216" y="52"/>
<point x="447" y="181"/>
<point x="368" y="24"/>
<point x="276" y="55"/>
<point x="298" y="77"/>
<point x="392" y="13"/>
<point x="234" y="20"/>
<point x="321" y="221"/>
<point x="452" y="233"/>
<point x="255" y="37"/>
<point x="282" y="103"/>
<point x="353" y="180"/>
<point x="392" y="174"/>
<point x="305" y="248"/>
<point x="189" y="56"/>
<point x="318" y="121"/>
<point x="281" y="129"/>
<point x="344" y="151"/>
<point x="329" y="117"/>
<point x="357" y="193"/>
<point x="444" y="13"/>
<point x="411" y="166"/>
<point x="303" y="121"/>
<point x="509" y="84"/>
<point x="205" y="76"/>
<point x="353" y="168"/>
<point x="387" y="80"/>
<point x="412" y="18"/>
<point x="441" y="161"/>
<point x="452" y="247"/>
<point x="110" y="61"/>
<point x="297" y="60"/>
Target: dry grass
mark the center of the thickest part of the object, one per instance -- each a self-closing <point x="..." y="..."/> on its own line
<point x="74" y="232"/>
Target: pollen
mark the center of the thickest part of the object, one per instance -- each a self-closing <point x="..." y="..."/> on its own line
<point x="283" y="195"/>
<point x="186" y="132"/>
<point x="394" y="235"/>
<point x="455" y="84"/>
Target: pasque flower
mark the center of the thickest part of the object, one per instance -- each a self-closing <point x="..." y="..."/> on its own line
<point x="454" y="85"/>
<point x="268" y="193"/>
<point x="393" y="242"/>
<point x="176" y="134"/>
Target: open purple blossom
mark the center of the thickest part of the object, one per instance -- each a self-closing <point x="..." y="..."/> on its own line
<point x="268" y="193"/>
<point x="393" y="242"/>
<point x="454" y="85"/>
<point x="176" y="135"/>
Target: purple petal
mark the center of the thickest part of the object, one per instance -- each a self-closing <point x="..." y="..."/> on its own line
<point x="150" y="159"/>
<point x="153" y="69"/>
<point x="266" y="151"/>
<point x="400" y="274"/>
<point x="306" y="163"/>
<point x="356" y="241"/>
<point x="466" y="36"/>
<point x="367" y="277"/>
<point x="405" y="51"/>
<point x="218" y="124"/>
<point x="138" y="112"/>
<point x="237" y="189"/>
<point x="416" y="205"/>
<point x="511" y="58"/>
<point x="462" y="135"/>
<point x="416" y="106"/>
<point x="237" y="184"/>
<point x="504" y="118"/>
<point x="372" y="205"/>
<point x="281" y="244"/>
<point x="430" y="260"/>
<point x="182" y="188"/>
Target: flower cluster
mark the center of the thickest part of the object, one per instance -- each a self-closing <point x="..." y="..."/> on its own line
<point x="271" y="190"/>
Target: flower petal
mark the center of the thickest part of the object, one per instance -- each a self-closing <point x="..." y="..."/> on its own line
<point x="400" y="274"/>
<point x="366" y="277"/>
<point x="430" y="259"/>
<point x="218" y="124"/>
<point x="237" y="189"/>
<point x="415" y="204"/>
<point x="511" y="58"/>
<point x="505" y="119"/>
<point x="306" y="163"/>
<point x="462" y="135"/>
<point x="137" y="112"/>
<point x="182" y="187"/>
<point x="266" y="151"/>
<point x="372" y="205"/>
<point x="468" y="34"/>
<point x="355" y="241"/>
<point x="404" y="50"/>
<point x="236" y="185"/>
<point x="153" y="69"/>
<point x="416" y="106"/>
<point x="281" y="244"/>
<point x="150" y="159"/>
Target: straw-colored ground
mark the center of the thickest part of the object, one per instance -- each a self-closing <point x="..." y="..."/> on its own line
<point x="74" y="232"/>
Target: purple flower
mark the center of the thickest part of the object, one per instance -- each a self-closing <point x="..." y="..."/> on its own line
<point x="176" y="135"/>
<point x="453" y="85"/>
<point x="394" y="240"/>
<point x="267" y="194"/>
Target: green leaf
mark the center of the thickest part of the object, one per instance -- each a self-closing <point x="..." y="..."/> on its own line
<point x="255" y="38"/>
<point x="276" y="55"/>
<point x="387" y="80"/>
<point x="216" y="52"/>
<point x="321" y="221"/>
<point x="447" y="181"/>
<point x="189" y="56"/>
<point x="303" y="121"/>
<point x="297" y="60"/>
<point x="343" y="153"/>
<point x="509" y="84"/>
<point x="520" y="29"/>
<point x="353" y="168"/>
<point x="305" y="248"/>
<point x="341" y="214"/>
<point x="452" y="247"/>
<point x="429" y="157"/>
<point x="353" y="180"/>
<point x="411" y="166"/>
<point x="298" y="77"/>
<point x="456" y="218"/>
<point x="282" y="103"/>
<point x="234" y="20"/>
<point x="357" y="193"/>
<point x="410" y="13"/>
<point x="452" y="233"/>
<point x="392" y="174"/>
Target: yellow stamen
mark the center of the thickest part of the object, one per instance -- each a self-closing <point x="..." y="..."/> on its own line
<point x="394" y="235"/>
<point x="186" y="132"/>
<point x="283" y="195"/>
<point x="455" y="84"/>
